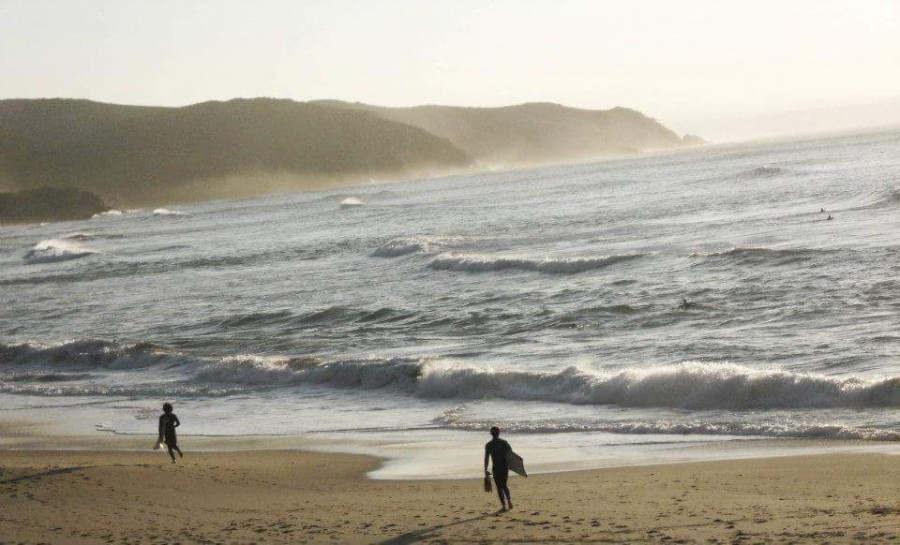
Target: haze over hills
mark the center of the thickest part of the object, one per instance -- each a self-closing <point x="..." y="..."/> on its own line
<point x="137" y="155"/>
<point x="134" y="155"/>
<point x="534" y="133"/>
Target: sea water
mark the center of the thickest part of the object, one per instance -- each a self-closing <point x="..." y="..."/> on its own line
<point x="627" y="310"/>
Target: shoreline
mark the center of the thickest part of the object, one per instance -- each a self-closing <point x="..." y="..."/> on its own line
<point x="313" y="497"/>
<point x="442" y="454"/>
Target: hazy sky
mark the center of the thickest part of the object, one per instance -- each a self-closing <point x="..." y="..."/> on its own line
<point x="674" y="60"/>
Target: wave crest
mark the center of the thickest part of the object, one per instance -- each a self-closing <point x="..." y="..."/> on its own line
<point x="167" y="212"/>
<point x="400" y="247"/>
<point x="478" y="263"/>
<point x="56" y="250"/>
<point x="754" y="255"/>
<point x="84" y="354"/>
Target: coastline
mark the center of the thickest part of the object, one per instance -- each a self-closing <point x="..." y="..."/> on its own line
<point x="290" y="496"/>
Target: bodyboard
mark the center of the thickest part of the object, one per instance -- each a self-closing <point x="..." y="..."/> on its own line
<point x="516" y="463"/>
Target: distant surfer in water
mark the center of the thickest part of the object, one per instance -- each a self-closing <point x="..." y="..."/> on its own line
<point x="167" y="424"/>
<point x="496" y="450"/>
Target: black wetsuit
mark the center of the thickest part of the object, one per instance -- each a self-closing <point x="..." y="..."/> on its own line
<point x="496" y="449"/>
<point x="167" y="424"/>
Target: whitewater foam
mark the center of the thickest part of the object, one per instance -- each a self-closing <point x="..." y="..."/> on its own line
<point x="56" y="250"/>
<point x="797" y="430"/>
<point x="107" y="214"/>
<point x="167" y="212"/>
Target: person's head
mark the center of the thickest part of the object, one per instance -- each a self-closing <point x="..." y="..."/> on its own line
<point x="495" y="432"/>
<point x="167" y="407"/>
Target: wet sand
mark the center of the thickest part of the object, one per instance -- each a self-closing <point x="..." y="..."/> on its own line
<point x="303" y="497"/>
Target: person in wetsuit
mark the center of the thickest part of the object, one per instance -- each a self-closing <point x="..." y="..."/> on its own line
<point x="167" y="424"/>
<point x="496" y="450"/>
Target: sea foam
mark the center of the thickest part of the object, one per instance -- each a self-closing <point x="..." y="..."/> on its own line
<point x="55" y="250"/>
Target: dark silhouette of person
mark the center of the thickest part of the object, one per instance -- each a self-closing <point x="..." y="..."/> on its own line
<point x="167" y="424"/>
<point x="496" y="450"/>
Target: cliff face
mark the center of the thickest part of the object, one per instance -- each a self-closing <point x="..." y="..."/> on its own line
<point x="49" y="204"/>
<point x="139" y="155"/>
<point x="533" y="134"/>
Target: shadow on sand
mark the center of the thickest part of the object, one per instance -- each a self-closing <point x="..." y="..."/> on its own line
<point x="428" y="533"/>
<point x="48" y="473"/>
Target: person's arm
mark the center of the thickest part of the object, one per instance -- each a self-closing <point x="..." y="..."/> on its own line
<point x="486" y="456"/>
<point x="177" y="423"/>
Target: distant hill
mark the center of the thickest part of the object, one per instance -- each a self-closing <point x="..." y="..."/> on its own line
<point x="145" y="155"/>
<point x="535" y="133"/>
<point x="136" y="156"/>
<point x="49" y="204"/>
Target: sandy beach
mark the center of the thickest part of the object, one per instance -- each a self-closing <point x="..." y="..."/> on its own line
<point x="302" y="497"/>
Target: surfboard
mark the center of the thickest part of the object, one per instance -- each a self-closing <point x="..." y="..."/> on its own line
<point x="515" y="463"/>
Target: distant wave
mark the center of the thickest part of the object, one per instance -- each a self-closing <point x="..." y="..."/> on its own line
<point x="328" y="316"/>
<point x="477" y="263"/>
<point x="79" y="236"/>
<point x="764" y="255"/>
<point x="167" y="212"/>
<point x="55" y="250"/>
<point x="351" y="202"/>
<point x="82" y="236"/>
<point x="401" y="247"/>
<point x="417" y="244"/>
<point x="884" y="198"/>
<point x="765" y="171"/>
<point x="107" y="213"/>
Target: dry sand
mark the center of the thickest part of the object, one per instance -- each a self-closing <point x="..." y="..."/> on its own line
<point x="302" y="497"/>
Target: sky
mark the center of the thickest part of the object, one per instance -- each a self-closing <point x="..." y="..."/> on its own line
<point x="688" y="63"/>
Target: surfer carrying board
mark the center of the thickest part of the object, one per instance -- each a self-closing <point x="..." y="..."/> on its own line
<point x="497" y="451"/>
<point x="167" y="424"/>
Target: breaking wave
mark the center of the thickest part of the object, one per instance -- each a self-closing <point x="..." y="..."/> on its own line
<point x="107" y="213"/>
<point x="167" y="212"/>
<point x="351" y="202"/>
<point x="477" y="263"/>
<point x="690" y="385"/>
<point x="694" y="385"/>
<point x="56" y="250"/>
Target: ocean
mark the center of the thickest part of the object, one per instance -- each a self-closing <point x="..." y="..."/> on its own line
<point x="716" y="300"/>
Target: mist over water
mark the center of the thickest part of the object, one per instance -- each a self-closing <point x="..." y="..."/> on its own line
<point x="704" y="292"/>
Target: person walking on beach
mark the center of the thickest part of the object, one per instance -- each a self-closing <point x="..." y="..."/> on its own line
<point x="496" y="450"/>
<point x="167" y="424"/>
